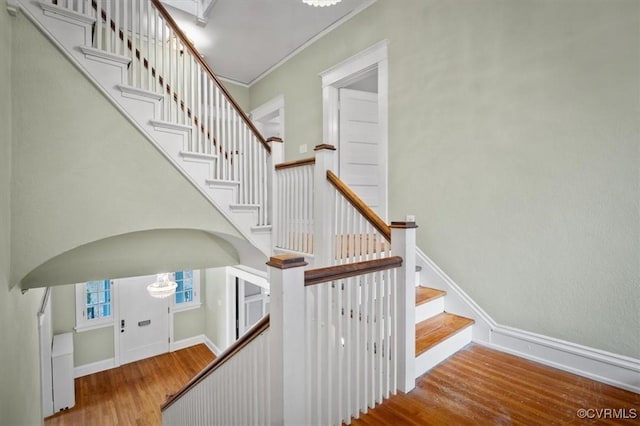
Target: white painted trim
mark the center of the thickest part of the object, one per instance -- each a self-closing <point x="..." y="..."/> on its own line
<point x="360" y="62"/>
<point x="94" y="367"/>
<point x="232" y="81"/>
<point x="275" y="104"/>
<point x="254" y="277"/>
<point x="45" y="339"/>
<point x="50" y="9"/>
<point x="212" y="346"/>
<point x="161" y="125"/>
<point x="188" y="342"/>
<point x="198" y="157"/>
<point x="182" y="307"/>
<point x="456" y="300"/>
<point x="268" y="107"/>
<point x="12" y="7"/>
<point x="606" y="367"/>
<point x="343" y="74"/>
<point x="102" y="56"/>
<point x="140" y="93"/>
<point x="315" y="38"/>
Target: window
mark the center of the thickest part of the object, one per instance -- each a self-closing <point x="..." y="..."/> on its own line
<point x="94" y="306"/>
<point x="188" y="290"/>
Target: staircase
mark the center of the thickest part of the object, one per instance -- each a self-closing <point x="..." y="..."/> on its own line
<point x="137" y="57"/>
<point x="171" y="96"/>
<point x="439" y="334"/>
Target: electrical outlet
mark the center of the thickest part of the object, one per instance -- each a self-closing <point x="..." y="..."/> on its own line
<point x="303" y="148"/>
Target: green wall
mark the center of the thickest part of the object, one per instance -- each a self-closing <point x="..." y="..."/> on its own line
<point x="240" y="94"/>
<point x="19" y="354"/>
<point x="190" y="323"/>
<point x="98" y="345"/>
<point x="84" y="173"/>
<point x="520" y="121"/>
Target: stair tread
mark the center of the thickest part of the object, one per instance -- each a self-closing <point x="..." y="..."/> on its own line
<point x="434" y="330"/>
<point x="426" y="294"/>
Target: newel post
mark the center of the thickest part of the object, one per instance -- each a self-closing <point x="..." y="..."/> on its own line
<point x="276" y="157"/>
<point x="287" y="340"/>
<point x="323" y="202"/>
<point x="403" y="244"/>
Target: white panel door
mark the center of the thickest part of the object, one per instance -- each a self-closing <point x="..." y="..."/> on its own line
<point x="359" y="147"/>
<point x="143" y="321"/>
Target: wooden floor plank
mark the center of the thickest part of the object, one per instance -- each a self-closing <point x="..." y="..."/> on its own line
<point x="132" y="394"/>
<point x="476" y="386"/>
<point x="426" y="294"/>
<point x="480" y="386"/>
<point x="434" y="330"/>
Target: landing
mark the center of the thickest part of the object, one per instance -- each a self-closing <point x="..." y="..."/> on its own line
<point x="480" y="386"/>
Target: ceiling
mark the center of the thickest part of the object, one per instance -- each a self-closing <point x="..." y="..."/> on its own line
<point x="243" y="39"/>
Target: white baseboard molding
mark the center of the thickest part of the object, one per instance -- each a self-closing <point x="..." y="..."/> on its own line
<point x="606" y="367"/>
<point x="212" y="346"/>
<point x="94" y="367"/>
<point x="185" y="343"/>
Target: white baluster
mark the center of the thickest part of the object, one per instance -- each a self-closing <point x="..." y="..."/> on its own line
<point x="138" y="35"/>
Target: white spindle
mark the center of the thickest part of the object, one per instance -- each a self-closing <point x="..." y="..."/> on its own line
<point x="148" y="14"/>
<point x="138" y="35"/>
<point x="108" y="27"/>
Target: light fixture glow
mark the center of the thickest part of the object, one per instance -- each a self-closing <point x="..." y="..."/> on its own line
<point x="163" y="287"/>
<point x="321" y="3"/>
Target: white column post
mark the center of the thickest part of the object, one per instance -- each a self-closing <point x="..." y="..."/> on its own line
<point x="276" y="157"/>
<point x="403" y="244"/>
<point x="287" y="340"/>
<point x="323" y="206"/>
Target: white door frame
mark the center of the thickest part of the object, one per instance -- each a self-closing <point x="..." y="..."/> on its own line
<point x="269" y="107"/>
<point x="345" y="73"/>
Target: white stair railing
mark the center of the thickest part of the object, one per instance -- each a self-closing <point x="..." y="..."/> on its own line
<point x="294" y="208"/>
<point x="359" y="233"/>
<point x="351" y="341"/>
<point x="234" y="389"/>
<point x="162" y="61"/>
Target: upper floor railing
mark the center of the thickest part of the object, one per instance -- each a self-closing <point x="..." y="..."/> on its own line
<point x="164" y="63"/>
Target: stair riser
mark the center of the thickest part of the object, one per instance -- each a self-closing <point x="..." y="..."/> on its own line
<point x="429" y="309"/>
<point x="443" y="350"/>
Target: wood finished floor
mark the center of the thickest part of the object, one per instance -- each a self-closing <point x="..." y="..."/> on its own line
<point x="480" y="386"/>
<point x="132" y="394"/>
<point x="477" y="386"/>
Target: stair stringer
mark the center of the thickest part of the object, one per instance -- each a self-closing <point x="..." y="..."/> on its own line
<point x="69" y="32"/>
<point x="456" y="301"/>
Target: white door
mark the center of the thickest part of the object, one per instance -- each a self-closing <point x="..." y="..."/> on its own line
<point x="359" y="147"/>
<point x="143" y="321"/>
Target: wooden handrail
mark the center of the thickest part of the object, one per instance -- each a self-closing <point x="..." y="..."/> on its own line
<point x="174" y="95"/>
<point x="360" y="205"/>
<point x="331" y="273"/>
<point x="185" y="41"/>
<point x="255" y="331"/>
<point x="296" y="163"/>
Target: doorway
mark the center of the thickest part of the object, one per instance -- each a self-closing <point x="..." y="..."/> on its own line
<point x="269" y="118"/>
<point x="143" y="321"/>
<point x="355" y="109"/>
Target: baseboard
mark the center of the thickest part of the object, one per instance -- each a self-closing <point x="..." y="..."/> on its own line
<point x="456" y="300"/>
<point x="94" y="367"/>
<point x="185" y="343"/>
<point x="216" y="350"/>
<point x="606" y="367"/>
